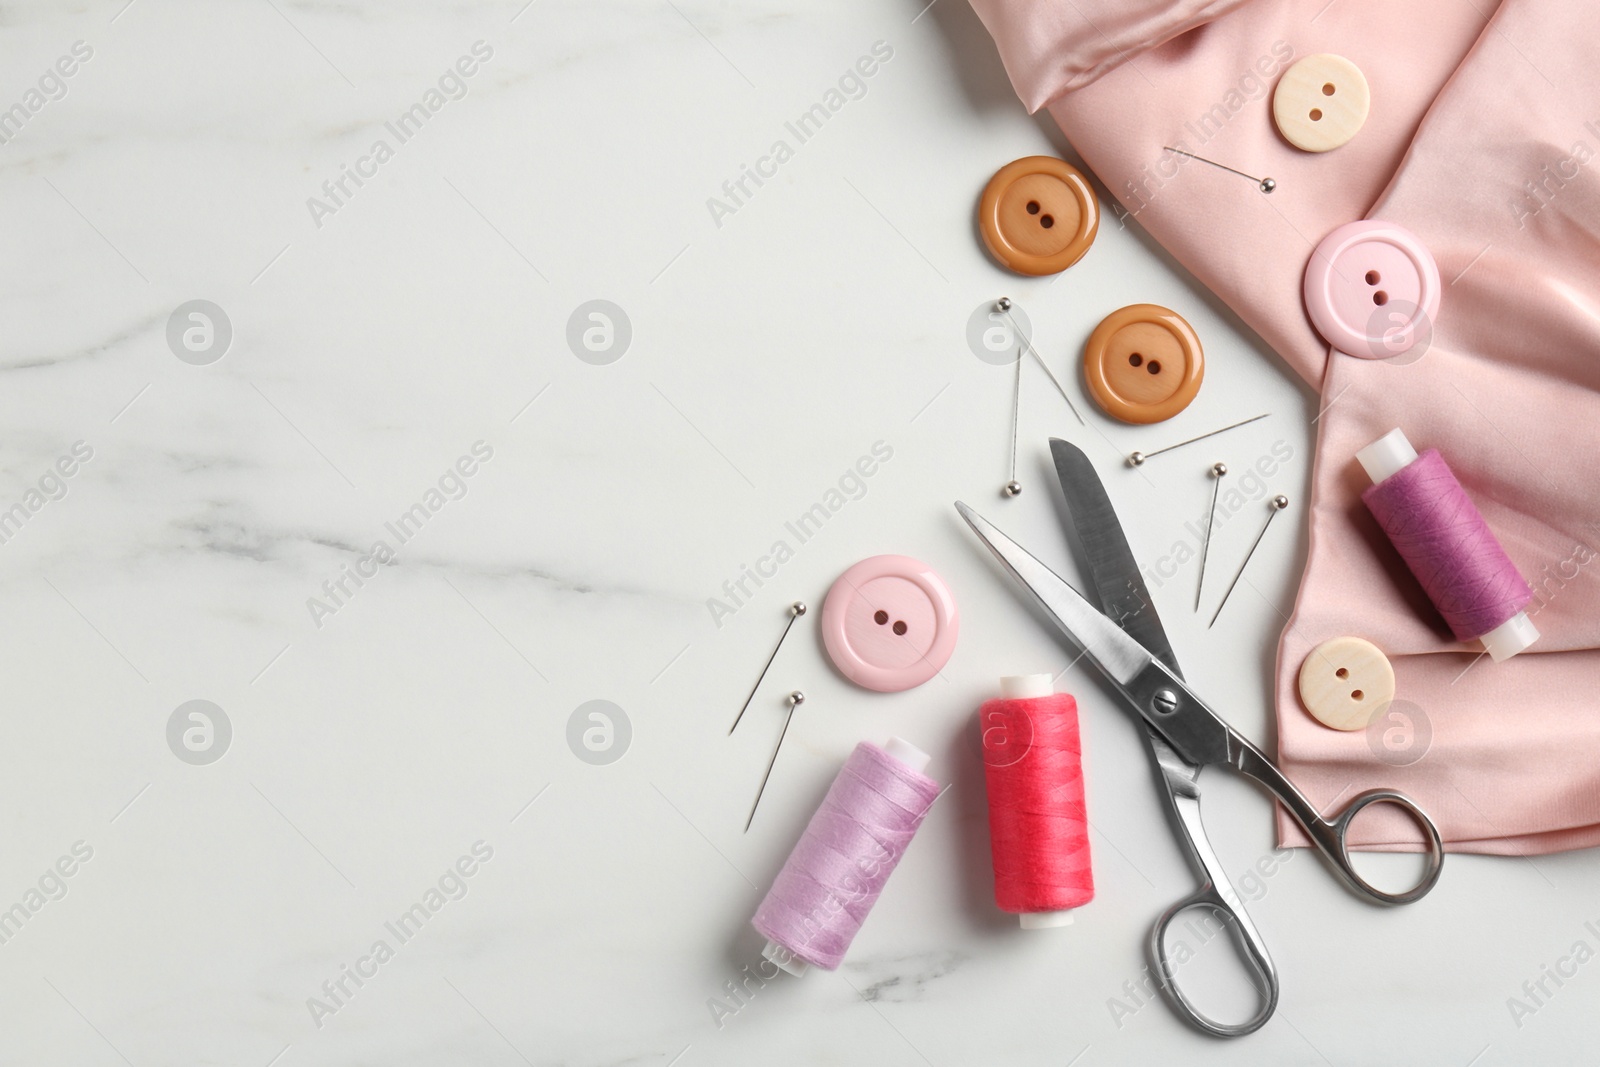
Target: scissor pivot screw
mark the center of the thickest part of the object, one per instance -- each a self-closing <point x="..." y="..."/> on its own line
<point x="1165" y="701"/>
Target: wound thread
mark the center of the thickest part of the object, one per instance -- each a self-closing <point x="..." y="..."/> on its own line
<point x="839" y="867"/>
<point x="1038" y="826"/>
<point x="1448" y="545"/>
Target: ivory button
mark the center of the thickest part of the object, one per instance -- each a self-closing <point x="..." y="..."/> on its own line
<point x="1343" y="682"/>
<point x="1038" y="215"/>
<point x="1143" y="363"/>
<point x="1321" y="102"/>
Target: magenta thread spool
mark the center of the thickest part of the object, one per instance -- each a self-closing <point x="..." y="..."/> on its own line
<point x="1445" y="541"/>
<point x="839" y="866"/>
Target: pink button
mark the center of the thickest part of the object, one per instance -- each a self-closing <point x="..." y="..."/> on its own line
<point x="890" y="623"/>
<point x="1372" y="290"/>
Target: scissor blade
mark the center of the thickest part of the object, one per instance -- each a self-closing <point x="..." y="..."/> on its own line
<point x="1117" y="655"/>
<point x="1116" y="577"/>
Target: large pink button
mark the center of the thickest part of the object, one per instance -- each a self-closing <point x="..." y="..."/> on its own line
<point x="890" y="623"/>
<point x="1372" y="289"/>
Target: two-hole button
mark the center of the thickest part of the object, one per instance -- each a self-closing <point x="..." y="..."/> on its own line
<point x="1345" y="681"/>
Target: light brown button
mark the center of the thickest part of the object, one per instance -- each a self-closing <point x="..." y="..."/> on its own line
<point x="1321" y="102"/>
<point x="1143" y="363"/>
<point x="1343" y="682"/>
<point x="1038" y="215"/>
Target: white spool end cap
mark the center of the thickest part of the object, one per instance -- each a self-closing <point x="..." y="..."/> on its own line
<point x="787" y="961"/>
<point x="1045" y="920"/>
<point x="1386" y="455"/>
<point x="1024" y="686"/>
<point x="900" y="749"/>
<point x="1510" y="637"/>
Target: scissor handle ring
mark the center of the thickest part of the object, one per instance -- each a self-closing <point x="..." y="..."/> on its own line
<point x="1244" y="938"/>
<point x="1337" y="845"/>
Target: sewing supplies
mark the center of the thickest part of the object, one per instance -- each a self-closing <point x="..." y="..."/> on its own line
<point x="889" y="623"/>
<point x="1003" y="305"/>
<point x="1321" y="102"/>
<point x="1038" y="828"/>
<point x="839" y="867"/>
<point x="1372" y="290"/>
<point x="1276" y="504"/>
<point x="1266" y="185"/>
<point x="797" y="609"/>
<point x="1014" y="487"/>
<point x="1128" y="645"/>
<point x="1219" y="471"/>
<point x="1143" y="363"/>
<point x="795" y="699"/>
<point x="1038" y="215"/>
<point x="1345" y="682"/>
<point x="1446" y="542"/>
<point x="1136" y="459"/>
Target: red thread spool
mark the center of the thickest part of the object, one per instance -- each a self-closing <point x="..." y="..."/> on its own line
<point x="1038" y="827"/>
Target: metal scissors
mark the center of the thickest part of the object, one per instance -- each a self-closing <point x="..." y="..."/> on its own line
<point x="1129" y="646"/>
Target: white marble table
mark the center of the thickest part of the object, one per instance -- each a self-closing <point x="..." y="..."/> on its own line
<point x="395" y="532"/>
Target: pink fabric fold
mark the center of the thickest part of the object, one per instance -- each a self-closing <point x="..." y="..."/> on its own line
<point x="1484" y="140"/>
<point x="1052" y="48"/>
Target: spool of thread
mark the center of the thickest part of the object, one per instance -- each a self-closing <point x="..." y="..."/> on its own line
<point x="1038" y="826"/>
<point x="833" y="877"/>
<point x="1447" y="544"/>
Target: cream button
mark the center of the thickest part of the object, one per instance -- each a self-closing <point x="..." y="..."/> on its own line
<point x="1343" y="682"/>
<point x="1321" y="102"/>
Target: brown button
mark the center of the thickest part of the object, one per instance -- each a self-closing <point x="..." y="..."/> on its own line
<point x="1345" y="681"/>
<point x="1143" y="363"/>
<point x="1038" y="215"/>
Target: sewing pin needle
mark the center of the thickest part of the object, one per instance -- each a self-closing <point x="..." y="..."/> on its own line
<point x="796" y="698"/>
<point x="1218" y="471"/>
<point x="1266" y="185"/>
<point x="1013" y="487"/>
<point x="797" y="609"/>
<point x="1136" y="459"/>
<point x="1279" y="502"/>
<point x="1004" y="305"/>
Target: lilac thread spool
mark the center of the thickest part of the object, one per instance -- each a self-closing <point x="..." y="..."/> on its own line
<point x="839" y="866"/>
<point x="1447" y="544"/>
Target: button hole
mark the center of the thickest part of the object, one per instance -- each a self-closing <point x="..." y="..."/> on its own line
<point x="1356" y="694"/>
<point x="1327" y="89"/>
<point x="1046" y="221"/>
<point x="1033" y="207"/>
<point x="900" y="630"/>
<point x="881" y="617"/>
<point x="1135" y="359"/>
<point x="1380" y="298"/>
<point x="1340" y="673"/>
<point x="1316" y="114"/>
<point x="1154" y="367"/>
<point x="1372" y="277"/>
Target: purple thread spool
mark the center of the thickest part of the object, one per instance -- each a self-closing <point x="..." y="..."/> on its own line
<point x="839" y="866"/>
<point x="1447" y="544"/>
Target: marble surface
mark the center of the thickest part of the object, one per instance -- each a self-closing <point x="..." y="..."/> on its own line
<point x="398" y="533"/>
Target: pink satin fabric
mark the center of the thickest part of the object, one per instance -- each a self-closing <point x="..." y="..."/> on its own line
<point x="1484" y="140"/>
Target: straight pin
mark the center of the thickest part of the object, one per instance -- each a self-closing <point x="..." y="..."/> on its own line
<point x="797" y="609"/>
<point x="1004" y="305"/>
<point x="796" y="698"/>
<point x="1266" y="185"/>
<point x="1013" y="487"/>
<point x="1136" y="459"/>
<point x="1279" y="502"/>
<point x="1218" y="471"/>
